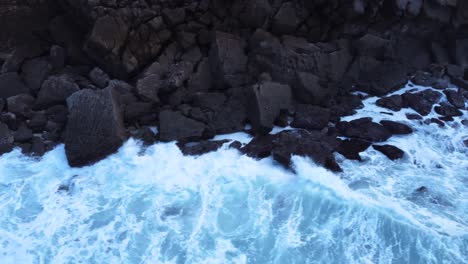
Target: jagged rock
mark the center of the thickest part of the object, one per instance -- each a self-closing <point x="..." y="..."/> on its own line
<point x="383" y="79"/>
<point x="427" y="79"/>
<point x="38" y="121"/>
<point x="423" y="101"/>
<point x="148" y="87"/>
<point x="232" y="115"/>
<point x="310" y="117"/>
<point x="144" y="134"/>
<point x="445" y="109"/>
<point x="393" y="102"/>
<point x="371" y="45"/>
<point x="136" y="110"/>
<point x="286" y="19"/>
<point x="38" y="147"/>
<point x="2" y="104"/>
<point x="350" y="148"/>
<point x="57" y="113"/>
<point x="105" y="42"/>
<point x="95" y="127"/>
<point x="6" y="139"/>
<point x="300" y="142"/>
<point x="55" y="90"/>
<point x="174" y="16"/>
<point x="454" y="71"/>
<point x="11" y="85"/>
<point x="23" y="134"/>
<point x="390" y="151"/>
<point x="199" y="148"/>
<point x="455" y="98"/>
<point x="20" y="54"/>
<point x="266" y="100"/>
<point x="414" y="117"/>
<point x="228" y="61"/>
<point x="34" y="72"/>
<point x="256" y="12"/>
<point x="364" y="129"/>
<point x="344" y="106"/>
<point x="396" y="128"/>
<point x="20" y="105"/>
<point x="175" y="126"/>
<point x="308" y="89"/>
<point x="99" y="78"/>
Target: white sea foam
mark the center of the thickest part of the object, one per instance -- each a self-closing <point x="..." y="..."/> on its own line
<point x="155" y="205"/>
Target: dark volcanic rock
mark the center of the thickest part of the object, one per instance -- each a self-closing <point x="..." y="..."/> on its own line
<point x="310" y="117"/>
<point x="6" y="139"/>
<point x="23" y="134"/>
<point x="383" y="79"/>
<point x="20" y="105"/>
<point x="364" y="129"/>
<point x="34" y="72"/>
<point x="393" y="102"/>
<point x="414" y="117"/>
<point x="199" y="148"/>
<point x="427" y="79"/>
<point x="455" y="98"/>
<point x="95" y="127"/>
<point x="351" y="148"/>
<point x="396" y="128"/>
<point x="423" y="101"/>
<point x="99" y="78"/>
<point x="308" y="89"/>
<point x="175" y="126"/>
<point x="144" y="134"/>
<point x="105" y="42"/>
<point x="445" y="109"/>
<point x="55" y="90"/>
<point x="148" y="87"/>
<point x="265" y="103"/>
<point x="295" y="142"/>
<point x="390" y="151"/>
<point x="11" y="85"/>
<point x="228" y="61"/>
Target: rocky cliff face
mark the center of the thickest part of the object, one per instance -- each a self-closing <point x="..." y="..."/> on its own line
<point x="198" y="68"/>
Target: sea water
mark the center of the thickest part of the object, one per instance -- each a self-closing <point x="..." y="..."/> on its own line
<point x="154" y="205"/>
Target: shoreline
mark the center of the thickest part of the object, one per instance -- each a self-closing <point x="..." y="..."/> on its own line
<point x="95" y="75"/>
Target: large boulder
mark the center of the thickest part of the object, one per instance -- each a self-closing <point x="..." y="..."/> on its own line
<point x="396" y="128"/>
<point x="350" y="148"/>
<point x="175" y="126"/>
<point x="95" y="127"/>
<point x="20" y="105"/>
<point x="393" y="102"/>
<point x="228" y="60"/>
<point x="34" y="72"/>
<point x="383" y="79"/>
<point x="311" y="117"/>
<point x="364" y="129"/>
<point x="105" y="42"/>
<point x="390" y="151"/>
<point x="266" y="101"/>
<point x="55" y="90"/>
<point x="422" y="102"/>
<point x="11" y="85"/>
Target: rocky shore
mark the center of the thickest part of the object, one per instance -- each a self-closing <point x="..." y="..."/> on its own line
<point x="91" y="74"/>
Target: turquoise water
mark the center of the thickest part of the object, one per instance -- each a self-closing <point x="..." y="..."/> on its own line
<point x="156" y="206"/>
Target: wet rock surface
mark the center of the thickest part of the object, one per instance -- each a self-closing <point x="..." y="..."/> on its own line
<point x="84" y="72"/>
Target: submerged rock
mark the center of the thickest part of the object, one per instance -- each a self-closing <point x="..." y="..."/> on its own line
<point x="390" y="151"/>
<point x="199" y="148"/>
<point x="364" y="129"/>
